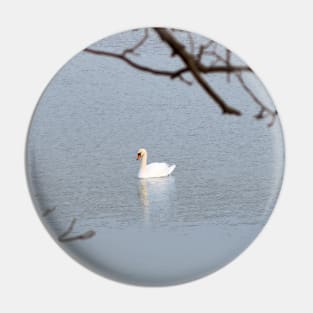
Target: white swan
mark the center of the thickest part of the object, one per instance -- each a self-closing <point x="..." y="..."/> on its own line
<point x="152" y="169"/>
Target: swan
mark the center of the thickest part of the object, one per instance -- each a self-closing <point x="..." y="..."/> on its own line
<point x="152" y="169"/>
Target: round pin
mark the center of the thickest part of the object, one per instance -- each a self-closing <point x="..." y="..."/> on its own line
<point x="155" y="156"/>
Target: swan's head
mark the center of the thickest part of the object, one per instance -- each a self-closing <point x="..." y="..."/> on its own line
<point x="141" y="153"/>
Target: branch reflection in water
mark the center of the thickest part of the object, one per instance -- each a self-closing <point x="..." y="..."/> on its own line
<point x="156" y="196"/>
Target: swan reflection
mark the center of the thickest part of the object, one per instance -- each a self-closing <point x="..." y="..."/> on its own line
<point x="156" y="196"/>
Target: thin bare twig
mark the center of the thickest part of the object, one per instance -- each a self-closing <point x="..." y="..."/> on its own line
<point x="69" y="229"/>
<point x="48" y="211"/>
<point x="131" y="63"/>
<point x="65" y="238"/>
<point x="185" y="80"/>
<point x="264" y="110"/>
<point x="87" y="235"/>
<point x="223" y="69"/>
<point x="202" y="49"/>
<point x="218" y="58"/>
<point x="137" y="45"/>
<point x="180" y="72"/>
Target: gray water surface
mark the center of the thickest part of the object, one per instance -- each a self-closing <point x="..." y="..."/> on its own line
<point x="81" y="158"/>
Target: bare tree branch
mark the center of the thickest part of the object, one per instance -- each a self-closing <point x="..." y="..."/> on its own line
<point x="222" y="69"/>
<point x="137" y="45"/>
<point x="47" y="211"/>
<point x="87" y="235"/>
<point x="202" y="49"/>
<point x="131" y="63"/>
<point x="69" y="229"/>
<point x="264" y="110"/>
<point x="190" y="62"/>
<point x="180" y="72"/>
<point x="65" y="238"/>
<point x="186" y="81"/>
<point x="171" y="74"/>
<point x="193" y="64"/>
<point x="217" y="58"/>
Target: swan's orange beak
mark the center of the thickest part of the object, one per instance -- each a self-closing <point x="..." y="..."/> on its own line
<point x="138" y="156"/>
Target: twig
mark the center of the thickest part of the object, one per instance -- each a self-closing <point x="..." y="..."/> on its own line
<point x="69" y="229"/>
<point x="263" y="108"/>
<point x="130" y="62"/>
<point x="87" y="235"/>
<point x="202" y="49"/>
<point x="223" y="69"/>
<point x="137" y="45"/>
<point x="185" y="80"/>
<point x="48" y="211"/>
<point x="64" y="237"/>
<point x="218" y="58"/>
<point x="180" y="72"/>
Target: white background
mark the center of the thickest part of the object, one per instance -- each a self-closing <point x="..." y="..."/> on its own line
<point x="275" y="38"/>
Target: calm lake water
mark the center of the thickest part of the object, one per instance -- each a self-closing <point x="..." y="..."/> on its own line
<point x="81" y="158"/>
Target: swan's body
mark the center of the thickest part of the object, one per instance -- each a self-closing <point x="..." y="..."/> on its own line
<point x="153" y="169"/>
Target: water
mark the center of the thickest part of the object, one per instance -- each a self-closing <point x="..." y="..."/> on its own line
<point x="81" y="158"/>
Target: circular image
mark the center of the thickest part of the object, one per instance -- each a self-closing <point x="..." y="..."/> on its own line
<point x="155" y="156"/>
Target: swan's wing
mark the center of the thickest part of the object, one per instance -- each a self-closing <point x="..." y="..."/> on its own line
<point x="159" y="169"/>
<point x="156" y="166"/>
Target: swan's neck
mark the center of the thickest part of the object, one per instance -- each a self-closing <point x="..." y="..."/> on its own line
<point x="143" y="163"/>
